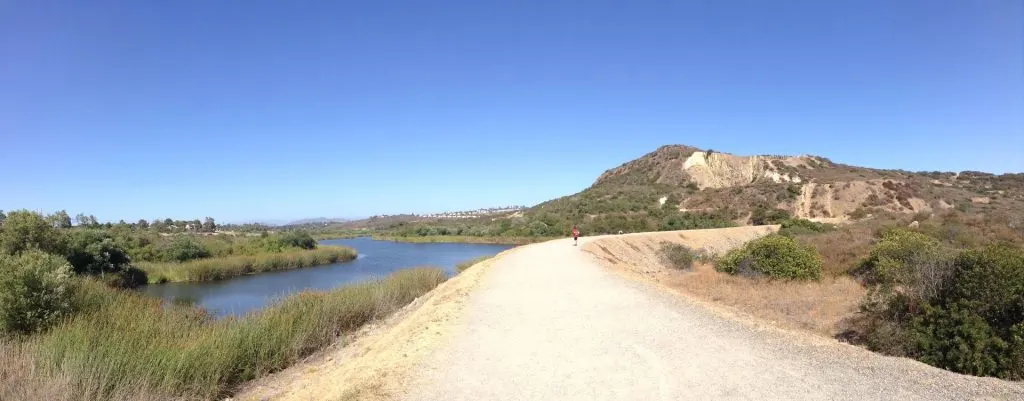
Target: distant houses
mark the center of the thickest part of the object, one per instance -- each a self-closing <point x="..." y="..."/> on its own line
<point x="470" y="214"/>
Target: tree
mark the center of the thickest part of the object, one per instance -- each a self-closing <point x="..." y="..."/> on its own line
<point x="195" y="224"/>
<point x="92" y="221"/>
<point x="81" y="219"/>
<point x="184" y="248"/>
<point x="24" y="230"/>
<point x="94" y="252"/>
<point x="142" y="224"/>
<point x="2" y="217"/>
<point x="209" y="225"/>
<point x="63" y="219"/>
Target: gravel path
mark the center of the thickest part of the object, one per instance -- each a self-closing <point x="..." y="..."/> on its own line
<point x="547" y="323"/>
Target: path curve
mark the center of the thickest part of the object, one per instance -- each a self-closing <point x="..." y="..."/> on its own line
<point x="547" y="322"/>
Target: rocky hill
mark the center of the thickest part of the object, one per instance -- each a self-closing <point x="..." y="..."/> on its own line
<point x="810" y="187"/>
<point x="683" y="187"/>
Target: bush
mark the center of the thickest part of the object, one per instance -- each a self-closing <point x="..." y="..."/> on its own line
<point x="36" y="291"/>
<point x="793" y="227"/>
<point x="677" y="256"/>
<point x="184" y="248"/>
<point x="296" y="239"/>
<point x="775" y="256"/>
<point x="94" y="252"/>
<point x="918" y="264"/>
<point x="967" y="317"/>
<point x="762" y="216"/>
<point x="24" y="230"/>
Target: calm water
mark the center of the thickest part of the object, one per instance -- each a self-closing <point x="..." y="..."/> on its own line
<point x="376" y="259"/>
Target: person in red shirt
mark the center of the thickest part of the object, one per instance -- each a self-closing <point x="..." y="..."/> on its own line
<point x="575" y="235"/>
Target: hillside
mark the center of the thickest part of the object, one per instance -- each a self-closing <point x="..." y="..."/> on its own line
<point x="686" y="179"/>
<point x="683" y="187"/>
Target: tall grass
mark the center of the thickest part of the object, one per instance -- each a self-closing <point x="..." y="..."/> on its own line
<point x="461" y="267"/>
<point x="127" y="346"/>
<point x="463" y="239"/>
<point x="211" y="269"/>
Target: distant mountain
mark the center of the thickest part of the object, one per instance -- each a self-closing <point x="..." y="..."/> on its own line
<point x="316" y="220"/>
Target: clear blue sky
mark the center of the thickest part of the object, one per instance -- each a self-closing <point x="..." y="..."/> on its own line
<point x="247" y="110"/>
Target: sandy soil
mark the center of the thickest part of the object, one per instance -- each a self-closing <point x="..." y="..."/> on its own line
<point x="818" y="306"/>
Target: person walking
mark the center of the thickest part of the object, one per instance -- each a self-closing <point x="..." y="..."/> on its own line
<point x="575" y="235"/>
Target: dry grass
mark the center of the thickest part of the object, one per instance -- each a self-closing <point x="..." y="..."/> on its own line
<point x="819" y="306"/>
<point x="127" y="346"/>
<point x="843" y="249"/>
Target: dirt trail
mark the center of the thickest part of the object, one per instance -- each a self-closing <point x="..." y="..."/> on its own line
<point x="547" y="322"/>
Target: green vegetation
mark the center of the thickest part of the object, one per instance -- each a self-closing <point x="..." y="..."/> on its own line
<point x="36" y="291"/>
<point x="764" y="216"/>
<point x="122" y="345"/>
<point x="775" y="256"/>
<point x="113" y="254"/>
<point x="232" y="266"/>
<point x="958" y="310"/>
<point x="463" y="239"/>
<point x="461" y="267"/>
<point x="677" y="256"/>
<point x="793" y="227"/>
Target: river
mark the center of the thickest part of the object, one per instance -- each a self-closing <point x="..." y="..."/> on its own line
<point x="241" y="295"/>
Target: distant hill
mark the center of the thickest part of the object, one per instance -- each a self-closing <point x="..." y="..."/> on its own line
<point x="688" y="179"/>
<point x="316" y="220"/>
<point x="683" y="187"/>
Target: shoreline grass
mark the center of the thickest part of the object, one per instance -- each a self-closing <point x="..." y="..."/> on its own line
<point x="212" y="269"/>
<point x="123" y="345"/>
<point x="462" y="266"/>
<point x="462" y="239"/>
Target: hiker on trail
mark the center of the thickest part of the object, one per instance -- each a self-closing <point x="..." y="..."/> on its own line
<point x="575" y="235"/>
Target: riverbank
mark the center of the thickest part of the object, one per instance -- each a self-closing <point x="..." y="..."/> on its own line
<point x="212" y="269"/>
<point x="126" y="346"/>
<point x="463" y="239"/>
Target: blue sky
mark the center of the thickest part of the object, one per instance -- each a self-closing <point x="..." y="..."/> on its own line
<point x="247" y="110"/>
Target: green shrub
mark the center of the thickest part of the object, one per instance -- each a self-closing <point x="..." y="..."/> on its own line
<point x="677" y="256"/>
<point x="296" y="239"/>
<point x="36" y="291"/>
<point x="916" y="263"/>
<point x="693" y="221"/>
<point x="184" y="248"/>
<point x="793" y="227"/>
<point x="24" y="230"/>
<point x="966" y="316"/>
<point x="762" y="216"/>
<point x="775" y="256"/>
<point x="94" y="252"/>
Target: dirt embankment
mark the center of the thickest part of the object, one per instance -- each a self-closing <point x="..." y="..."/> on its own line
<point x="821" y="307"/>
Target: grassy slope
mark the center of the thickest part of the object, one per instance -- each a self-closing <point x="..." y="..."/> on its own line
<point x="125" y="346"/>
